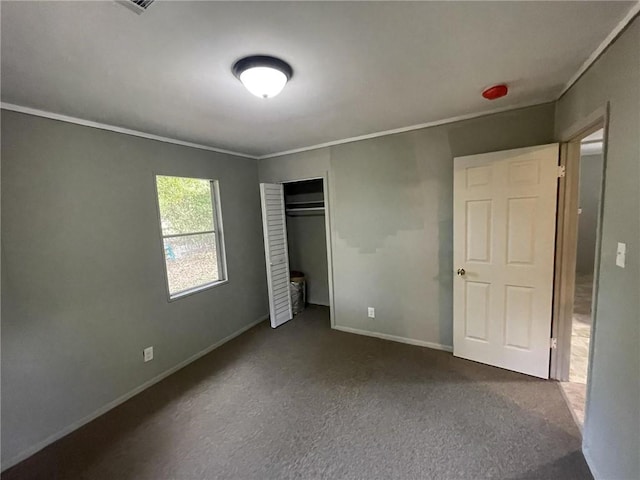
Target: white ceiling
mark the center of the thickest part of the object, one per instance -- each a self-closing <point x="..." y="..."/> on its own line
<point x="359" y="67"/>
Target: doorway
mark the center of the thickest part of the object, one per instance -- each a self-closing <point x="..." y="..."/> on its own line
<point x="590" y="173"/>
<point x="297" y="238"/>
<point x="306" y="240"/>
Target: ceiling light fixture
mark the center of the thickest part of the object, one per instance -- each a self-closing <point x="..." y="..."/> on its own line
<point x="262" y="75"/>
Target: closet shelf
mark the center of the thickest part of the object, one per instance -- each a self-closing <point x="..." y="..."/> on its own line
<point x="305" y="211"/>
<point x="307" y="204"/>
<point x="307" y="207"/>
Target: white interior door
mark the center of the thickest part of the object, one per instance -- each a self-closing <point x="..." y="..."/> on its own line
<point x="276" y="252"/>
<point x="504" y="220"/>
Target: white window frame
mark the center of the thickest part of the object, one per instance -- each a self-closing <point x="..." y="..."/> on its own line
<point x="218" y="230"/>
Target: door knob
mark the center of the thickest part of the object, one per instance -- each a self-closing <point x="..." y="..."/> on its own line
<point x="461" y="272"/>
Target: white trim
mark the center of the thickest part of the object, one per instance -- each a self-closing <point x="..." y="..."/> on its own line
<point x="584" y="124"/>
<point x="327" y="194"/>
<point x="112" y="128"/>
<point x="105" y="408"/>
<point x="394" y="338"/>
<point x="587" y="456"/>
<point x="609" y="39"/>
<point x="467" y="116"/>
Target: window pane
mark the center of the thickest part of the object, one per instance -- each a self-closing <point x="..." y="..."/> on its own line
<point x="185" y="205"/>
<point x="191" y="261"/>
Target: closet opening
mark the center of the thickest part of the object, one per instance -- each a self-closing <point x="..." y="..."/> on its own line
<point x="297" y="239"/>
<point x="307" y="246"/>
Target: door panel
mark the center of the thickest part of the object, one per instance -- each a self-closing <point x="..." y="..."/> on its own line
<point x="479" y="230"/>
<point x="519" y="316"/>
<point x="504" y="239"/>
<point x="477" y="310"/>
<point x="521" y="216"/>
<point x="276" y="252"/>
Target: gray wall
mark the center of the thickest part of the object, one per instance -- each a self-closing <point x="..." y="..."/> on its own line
<point x="308" y="253"/>
<point x="83" y="296"/>
<point x="391" y="202"/>
<point x="299" y="166"/>
<point x="83" y="285"/>
<point x="590" y="185"/>
<point x="612" y="430"/>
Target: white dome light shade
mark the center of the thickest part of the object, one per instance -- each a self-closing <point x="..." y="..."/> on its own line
<point x="263" y="76"/>
<point x="263" y="82"/>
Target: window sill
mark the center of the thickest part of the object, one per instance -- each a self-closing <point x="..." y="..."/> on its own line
<point x="187" y="293"/>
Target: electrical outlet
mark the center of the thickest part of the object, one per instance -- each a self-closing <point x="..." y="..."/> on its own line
<point x="371" y="312"/>
<point x="147" y="354"/>
<point x="621" y="254"/>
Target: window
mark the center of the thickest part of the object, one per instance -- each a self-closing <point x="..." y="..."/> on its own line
<point x="191" y="233"/>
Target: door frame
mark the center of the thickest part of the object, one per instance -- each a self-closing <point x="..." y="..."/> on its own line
<point x="566" y="242"/>
<point x="328" y="232"/>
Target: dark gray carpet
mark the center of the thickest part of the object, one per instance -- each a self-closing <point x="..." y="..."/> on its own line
<point x="304" y="401"/>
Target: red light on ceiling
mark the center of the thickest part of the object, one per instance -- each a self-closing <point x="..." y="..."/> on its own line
<point x="494" y="92"/>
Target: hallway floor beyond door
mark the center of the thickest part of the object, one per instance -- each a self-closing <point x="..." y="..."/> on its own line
<point x="575" y="390"/>
<point x="304" y="401"/>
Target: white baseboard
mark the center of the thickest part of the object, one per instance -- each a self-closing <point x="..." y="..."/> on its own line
<point x="109" y="406"/>
<point x="394" y="338"/>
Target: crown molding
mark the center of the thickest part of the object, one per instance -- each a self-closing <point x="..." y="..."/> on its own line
<point x="113" y="128"/>
<point x="468" y="116"/>
<point x="608" y="40"/>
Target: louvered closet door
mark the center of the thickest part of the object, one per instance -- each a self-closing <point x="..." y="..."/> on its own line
<point x="276" y="253"/>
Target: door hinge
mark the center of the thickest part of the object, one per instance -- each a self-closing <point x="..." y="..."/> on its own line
<point x="562" y="171"/>
<point x="553" y="343"/>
